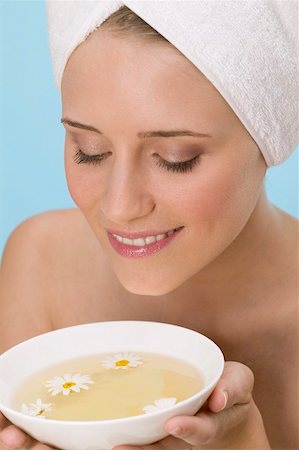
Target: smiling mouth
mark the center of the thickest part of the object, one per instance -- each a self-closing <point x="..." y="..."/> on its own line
<point x="146" y="240"/>
<point x="142" y="246"/>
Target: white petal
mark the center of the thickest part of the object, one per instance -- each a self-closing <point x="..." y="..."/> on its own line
<point x="56" y="391"/>
<point x="47" y="407"/>
<point x="165" y="402"/>
<point x="75" y="388"/>
<point x="67" y="377"/>
<point x="150" y="409"/>
<point x="76" y="377"/>
<point x="133" y="364"/>
<point x="24" y="408"/>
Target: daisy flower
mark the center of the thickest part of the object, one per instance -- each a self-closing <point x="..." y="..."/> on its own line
<point x="68" y="383"/>
<point x="122" y="361"/>
<point x="161" y="403"/>
<point x="36" y="409"/>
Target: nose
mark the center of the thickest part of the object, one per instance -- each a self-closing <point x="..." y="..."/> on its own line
<point x="126" y="195"/>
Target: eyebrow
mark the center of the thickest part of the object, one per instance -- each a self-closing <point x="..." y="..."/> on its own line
<point x="141" y="134"/>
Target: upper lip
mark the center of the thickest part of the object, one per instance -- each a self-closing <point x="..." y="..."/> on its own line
<point x="140" y="234"/>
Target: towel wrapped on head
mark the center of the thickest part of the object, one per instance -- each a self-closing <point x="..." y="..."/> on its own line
<point x="248" y="49"/>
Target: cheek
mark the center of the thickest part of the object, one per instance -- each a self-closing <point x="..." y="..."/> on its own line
<point x="217" y="196"/>
<point x="81" y="183"/>
<point x="223" y="195"/>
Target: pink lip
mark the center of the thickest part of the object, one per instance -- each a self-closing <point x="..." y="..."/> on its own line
<point x="137" y="235"/>
<point x="131" y="251"/>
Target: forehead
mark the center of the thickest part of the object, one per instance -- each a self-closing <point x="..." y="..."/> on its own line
<point x="103" y="48"/>
<point x="133" y="76"/>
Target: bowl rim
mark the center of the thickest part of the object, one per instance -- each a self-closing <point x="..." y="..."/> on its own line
<point x="139" y="417"/>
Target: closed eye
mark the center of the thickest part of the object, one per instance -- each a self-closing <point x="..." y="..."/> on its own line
<point x="83" y="158"/>
<point x="179" y="166"/>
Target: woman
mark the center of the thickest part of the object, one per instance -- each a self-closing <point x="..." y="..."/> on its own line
<point x="152" y="147"/>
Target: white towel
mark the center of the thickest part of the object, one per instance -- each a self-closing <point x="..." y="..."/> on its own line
<point x="248" y="49"/>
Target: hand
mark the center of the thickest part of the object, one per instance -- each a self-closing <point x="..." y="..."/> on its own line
<point x="12" y="438"/>
<point x="229" y="419"/>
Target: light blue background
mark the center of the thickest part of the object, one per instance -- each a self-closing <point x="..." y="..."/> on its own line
<point x="32" y="176"/>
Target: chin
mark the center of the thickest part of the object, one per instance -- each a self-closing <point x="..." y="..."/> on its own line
<point x="147" y="287"/>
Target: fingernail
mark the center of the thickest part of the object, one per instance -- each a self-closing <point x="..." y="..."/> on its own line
<point x="176" y="431"/>
<point x="225" y="398"/>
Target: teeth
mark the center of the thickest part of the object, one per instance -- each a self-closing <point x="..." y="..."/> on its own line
<point x="127" y="241"/>
<point x="150" y="239"/>
<point x="141" y="242"/>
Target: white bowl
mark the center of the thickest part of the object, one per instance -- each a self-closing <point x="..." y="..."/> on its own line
<point x="48" y="349"/>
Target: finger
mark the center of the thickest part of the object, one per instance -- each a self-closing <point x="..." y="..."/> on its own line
<point x="169" y="443"/>
<point x="234" y="387"/>
<point x="3" y="421"/>
<point x="231" y="400"/>
<point x="207" y="427"/>
<point x="13" y="438"/>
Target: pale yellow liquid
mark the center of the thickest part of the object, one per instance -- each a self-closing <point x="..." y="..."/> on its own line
<point x="115" y="393"/>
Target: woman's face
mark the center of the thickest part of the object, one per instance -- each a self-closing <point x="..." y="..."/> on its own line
<point x="126" y="88"/>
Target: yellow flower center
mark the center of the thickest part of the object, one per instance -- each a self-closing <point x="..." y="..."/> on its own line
<point x="68" y="384"/>
<point x="122" y="363"/>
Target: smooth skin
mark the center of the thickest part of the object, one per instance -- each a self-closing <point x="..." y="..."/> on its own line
<point x="231" y="274"/>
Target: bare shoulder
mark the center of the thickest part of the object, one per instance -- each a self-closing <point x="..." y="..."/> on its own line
<point x="287" y="272"/>
<point x="289" y="232"/>
<point x="290" y="224"/>
<point x="42" y="255"/>
<point x="68" y="244"/>
<point x="49" y="234"/>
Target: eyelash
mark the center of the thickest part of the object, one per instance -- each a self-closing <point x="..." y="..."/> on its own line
<point x="181" y="166"/>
